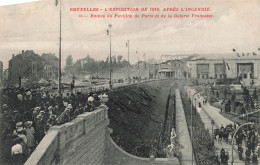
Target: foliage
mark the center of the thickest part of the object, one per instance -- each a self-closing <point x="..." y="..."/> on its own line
<point x="91" y="66"/>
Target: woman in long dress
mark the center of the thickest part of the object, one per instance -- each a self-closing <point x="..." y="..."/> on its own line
<point x="30" y="137"/>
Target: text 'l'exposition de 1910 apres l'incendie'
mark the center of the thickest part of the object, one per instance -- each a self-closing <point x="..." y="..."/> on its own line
<point x="176" y="9"/>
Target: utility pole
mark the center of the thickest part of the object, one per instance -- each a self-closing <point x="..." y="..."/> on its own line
<point x="59" y="72"/>
<point x="1" y="88"/>
<point x="128" y="67"/>
<point x="110" y="74"/>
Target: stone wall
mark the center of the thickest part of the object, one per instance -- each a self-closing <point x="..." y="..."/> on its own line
<point x="81" y="141"/>
<point x="86" y="140"/>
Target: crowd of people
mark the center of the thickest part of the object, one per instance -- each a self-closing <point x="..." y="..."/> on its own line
<point x="246" y="137"/>
<point x="27" y="115"/>
<point x="250" y="137"/>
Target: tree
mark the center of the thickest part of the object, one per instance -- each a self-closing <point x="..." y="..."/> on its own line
<point x="119" y="58"/>
<point x="69" y="61"/>
<point x="69" y="64"/>
<point x="113" y="60"/>
<point x="107" y="59"/>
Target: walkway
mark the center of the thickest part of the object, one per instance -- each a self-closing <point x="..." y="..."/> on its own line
<point x="206" y="119"/>
<point x="183" y="132"/>
<point x="209" y="113"/>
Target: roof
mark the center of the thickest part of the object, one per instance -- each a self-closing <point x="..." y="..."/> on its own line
<point x="229" y="56"/>
<point x="165" y="70"/>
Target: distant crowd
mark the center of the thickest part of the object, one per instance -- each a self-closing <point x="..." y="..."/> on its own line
<point x="246" y="138"/>
<point x="27" y="115"/>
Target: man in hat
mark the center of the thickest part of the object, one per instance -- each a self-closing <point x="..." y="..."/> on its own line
<point x="67" y="117"/>
<point x="17" y="151"/>
<point x="64" y="117"/>
<point x="223" y="156"/>
<point x="35" y="113"/>
<point x="29" y="130"/>
<point x="76" y="112"/>
<point x="50" y="109"/>
<point x="40" y="128"/>
<point x="20" y="134"/>
<point x="240" y="151"/>
<point x="90" y="104"/>
<point x="18" y="125"/>
<point x="96" y="102"/>
<point x="52" y="121"/>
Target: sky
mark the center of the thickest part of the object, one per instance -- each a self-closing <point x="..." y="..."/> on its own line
<point x="35" y="26"/>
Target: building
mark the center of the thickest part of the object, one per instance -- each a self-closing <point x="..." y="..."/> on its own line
<point x="174" y="68"/>
<point x="31" y="66"/>
<point x="5" y="77"/>
<point x="220" y="66"/>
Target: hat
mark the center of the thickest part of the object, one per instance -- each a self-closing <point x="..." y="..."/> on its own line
<point x="5" y="106"/>
<point x="37" y="108"/>
<point x="53" y="116"/>
<point x="90" y="98"/>
<point x="19" y="124"/>
<point x="69" y="106"/>
<point x="50" y="108"/>
<point x="19" y="130"/>
<point x="18" y="140"/>
<point x="67" y="110"/>
<point x="42" y="112"/>
<point x="28" y="123"/>
<point x="28" y="93"/>
<point x="39" y="117"/>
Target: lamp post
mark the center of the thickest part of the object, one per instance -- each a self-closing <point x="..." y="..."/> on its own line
<point x="110" y="75"/>
<point x="192" y="124"/>
<point x="234" y="138"/>
<point x="212" y="124"/>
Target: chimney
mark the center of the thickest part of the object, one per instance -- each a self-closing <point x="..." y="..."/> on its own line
<point x="13" y="56"/>
<point x="22" y="52"/>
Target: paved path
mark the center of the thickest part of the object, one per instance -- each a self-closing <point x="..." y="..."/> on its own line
<point x="183" y="132"/>
<point x="209" y="113"/>
<point x="206" y="119"/>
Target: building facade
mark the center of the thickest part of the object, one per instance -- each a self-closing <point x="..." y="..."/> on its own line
<point x="174" y="68"/>
<point x="245" y="68"/>
<point x="31" y="66"/>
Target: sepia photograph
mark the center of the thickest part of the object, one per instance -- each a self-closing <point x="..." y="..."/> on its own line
<point x="129" y="82"/>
